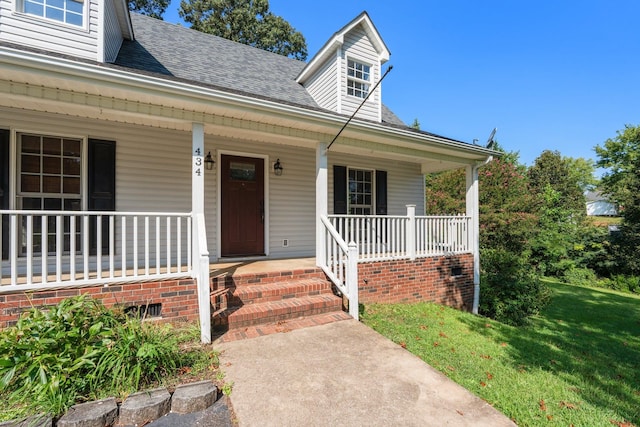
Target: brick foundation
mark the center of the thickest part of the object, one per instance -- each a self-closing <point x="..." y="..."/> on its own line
<point x="179" y="299"/>
<point x="424" y="279"/>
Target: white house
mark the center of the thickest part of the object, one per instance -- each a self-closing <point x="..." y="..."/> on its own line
<point x="599" y="205"/>
<point x="137" y="151"/>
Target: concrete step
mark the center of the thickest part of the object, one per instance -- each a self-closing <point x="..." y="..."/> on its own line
<point x="274" y="311"/>
<point x="251" y="279"/>
<point x="252" y="294"/>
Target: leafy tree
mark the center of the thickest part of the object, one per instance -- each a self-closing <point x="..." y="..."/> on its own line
<point x="621" y="156"/>
<point x="152" y="8"/>
<point x="415" y="124"/>
<point x="582" y="171"/>
<point x="245" y="21"/>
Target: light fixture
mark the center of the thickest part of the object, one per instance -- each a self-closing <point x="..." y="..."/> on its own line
<point x="208" y="161"/>
<point x="277" y="168"/>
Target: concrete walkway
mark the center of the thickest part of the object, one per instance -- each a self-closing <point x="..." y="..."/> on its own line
<point x="343" y="374"/>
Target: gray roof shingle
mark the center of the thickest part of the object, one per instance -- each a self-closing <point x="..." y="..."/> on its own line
<point x="174" y="50"/>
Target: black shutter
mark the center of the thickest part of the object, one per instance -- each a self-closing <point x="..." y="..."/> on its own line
<point x="4" y="189"/>
<point x="381" y="192"/>
<point x="102" y="186"/>
<point x="339" y="190"/>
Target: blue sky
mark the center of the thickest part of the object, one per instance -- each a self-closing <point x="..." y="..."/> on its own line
<point x="559" y="75"/>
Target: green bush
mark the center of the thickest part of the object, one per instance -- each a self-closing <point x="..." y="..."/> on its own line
<point x="580" y="276"/>
<point x="625" y="283"/>
<point x="510" y="290"/>
<point x="77" y="350"/>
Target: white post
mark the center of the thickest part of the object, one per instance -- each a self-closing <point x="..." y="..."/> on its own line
<point x="473" y="211"/>
<point x="322" y="200"/>
<point x="411" y="232"/>
<point x="352" y="279"/>
<point x="197" y="208"/>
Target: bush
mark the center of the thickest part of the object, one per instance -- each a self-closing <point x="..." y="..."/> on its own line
<point x="510" y="292"/>
<point x="581" y="277"/>
<point x="76" y="350"/>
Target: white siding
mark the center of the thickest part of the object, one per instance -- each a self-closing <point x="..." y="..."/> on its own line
<point x="358" y="47"/>
<point x="322" y="86"/>
<point x="27" y="30"/>
<point x="112" y="33"/>
<point x="405" y="182"/>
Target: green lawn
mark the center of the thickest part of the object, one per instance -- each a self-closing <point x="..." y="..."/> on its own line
<point x="578" y="363"/>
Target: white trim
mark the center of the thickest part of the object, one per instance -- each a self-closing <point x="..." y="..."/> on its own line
<point x="267" y="169"/>
<point x="101" y="31"/>
<point x="339" y="64"/>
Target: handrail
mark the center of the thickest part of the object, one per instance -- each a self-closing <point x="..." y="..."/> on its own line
<point x="340" y="264"/>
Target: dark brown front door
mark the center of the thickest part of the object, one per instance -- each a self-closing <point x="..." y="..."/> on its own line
<point x="242" y="219"/>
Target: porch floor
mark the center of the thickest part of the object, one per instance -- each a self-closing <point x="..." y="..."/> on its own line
<point x="217" y="269"/>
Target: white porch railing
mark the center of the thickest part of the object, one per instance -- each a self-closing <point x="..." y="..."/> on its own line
<point x="53" y="249"/>
<point x="380" y="238"/>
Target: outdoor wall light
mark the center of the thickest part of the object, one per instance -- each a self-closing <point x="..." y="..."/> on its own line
<point x="208" y="161"/>
<point x="277" y="168"/>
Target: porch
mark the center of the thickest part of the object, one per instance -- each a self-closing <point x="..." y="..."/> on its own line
<point x="143" y="260"/>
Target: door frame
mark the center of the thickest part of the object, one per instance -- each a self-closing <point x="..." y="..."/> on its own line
<point x="264" y="158"/>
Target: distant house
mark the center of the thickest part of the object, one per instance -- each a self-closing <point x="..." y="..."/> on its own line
<point x="136" y="155"/>
<point x="599" y="205"/>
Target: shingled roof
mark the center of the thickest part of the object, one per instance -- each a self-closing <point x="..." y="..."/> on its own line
<point x="173" y="50"/>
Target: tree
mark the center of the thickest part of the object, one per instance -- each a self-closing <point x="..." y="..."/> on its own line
<point x="582" y="171"/>
<point x="152" y="8"/>
<point x="245" y="21"/>
<point x="415" y="124"/>
<point x="621" y="156"/>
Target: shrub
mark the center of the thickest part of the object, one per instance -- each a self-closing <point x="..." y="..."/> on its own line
<point x="510" y="292"/>
<point x="76" y="350"/>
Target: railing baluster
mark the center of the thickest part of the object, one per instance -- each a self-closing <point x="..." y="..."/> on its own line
<point x="98" y="246"/>
<point x="112" y="246"/>
<point x="179" y="244"/>
<point x="85" y="245"/>
<point x="44" y="248"/>
<point x="135" y="246"/>
<point x="59" y="243"/>
<point x="29" y="249"/>
<point x="157" y="245"/>
<point x="168" y="244"/>
<point x="123" y="244"/>
<point x="13" y="249"/>
<point x="72" y="247"/>
<point x="146" y="245"/>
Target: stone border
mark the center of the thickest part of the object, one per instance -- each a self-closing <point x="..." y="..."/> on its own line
<point x="138" y="409"/>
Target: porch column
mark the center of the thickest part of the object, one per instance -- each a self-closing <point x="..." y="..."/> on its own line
<point x="473" y="211"/>
<point x="322" y="199"/>
<point x="200" y="252"/>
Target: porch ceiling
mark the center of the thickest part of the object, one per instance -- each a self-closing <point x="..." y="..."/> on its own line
<point x="117" y="96"/>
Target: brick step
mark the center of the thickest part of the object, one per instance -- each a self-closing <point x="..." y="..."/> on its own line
<point x="275" y="311"/>
<point x="252" y="294"/>
<point x="251" y="279"/>
<point x="281" y="326"/>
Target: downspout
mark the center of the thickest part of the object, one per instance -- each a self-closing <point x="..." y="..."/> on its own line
<point x="473" y="210"/>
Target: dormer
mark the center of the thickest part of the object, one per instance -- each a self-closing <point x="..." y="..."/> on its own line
<point x="89" y="29"/>
<point x="341" y="75"/>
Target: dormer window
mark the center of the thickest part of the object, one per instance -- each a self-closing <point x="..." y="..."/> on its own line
<point x="67" y="11"/>
<point x="358" y="78"/>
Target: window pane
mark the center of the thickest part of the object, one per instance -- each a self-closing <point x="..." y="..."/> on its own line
<point x="56" y="14"/>
<point x="52" y="204"/>
<point x="74" y="6"/>
<point x="51" y="146"/>
<point x="71" y="147"/>
<point x="56" y="3"/>
<point x="51" y="165"/>
<point x="51" y="184"/>
<point x="30" y="183"/>
<point x="30" y="164"/>
<point x="71" y="185"/>
<point x="242" y="171"/>
<point x="31" y="203"/>
<point x="71" y="166"/>
<point x="30" y="144"/>
<point x="74" y="19"/>
<point x="33" y="8"/>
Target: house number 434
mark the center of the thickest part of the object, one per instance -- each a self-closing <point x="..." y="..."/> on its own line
<point x="198" y="162"/>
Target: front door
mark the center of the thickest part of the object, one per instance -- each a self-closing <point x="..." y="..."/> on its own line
<point x="242" y="204"/>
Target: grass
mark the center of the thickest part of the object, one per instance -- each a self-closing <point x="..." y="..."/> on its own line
<point x="604" y="221"/>
<point x="578" y="363"/>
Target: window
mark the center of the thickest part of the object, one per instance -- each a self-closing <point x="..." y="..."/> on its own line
<point x="49" y="179"/>
<point x="67" y="11"/>
<point x="360" y="190"/>
<point x="358" y="79"/>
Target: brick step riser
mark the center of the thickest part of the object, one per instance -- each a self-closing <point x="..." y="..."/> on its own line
<point x="267" y="313"/>
<point x="242" y="296"/>
<point x="264" y="278"/>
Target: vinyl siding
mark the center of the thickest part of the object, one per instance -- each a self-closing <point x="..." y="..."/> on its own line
<point x="322" y="87"/>
<point x="405" y="182"/>
<point x="112" y="33"/>
<point x="358" y="47"/>
<point x="20" y="28"/>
